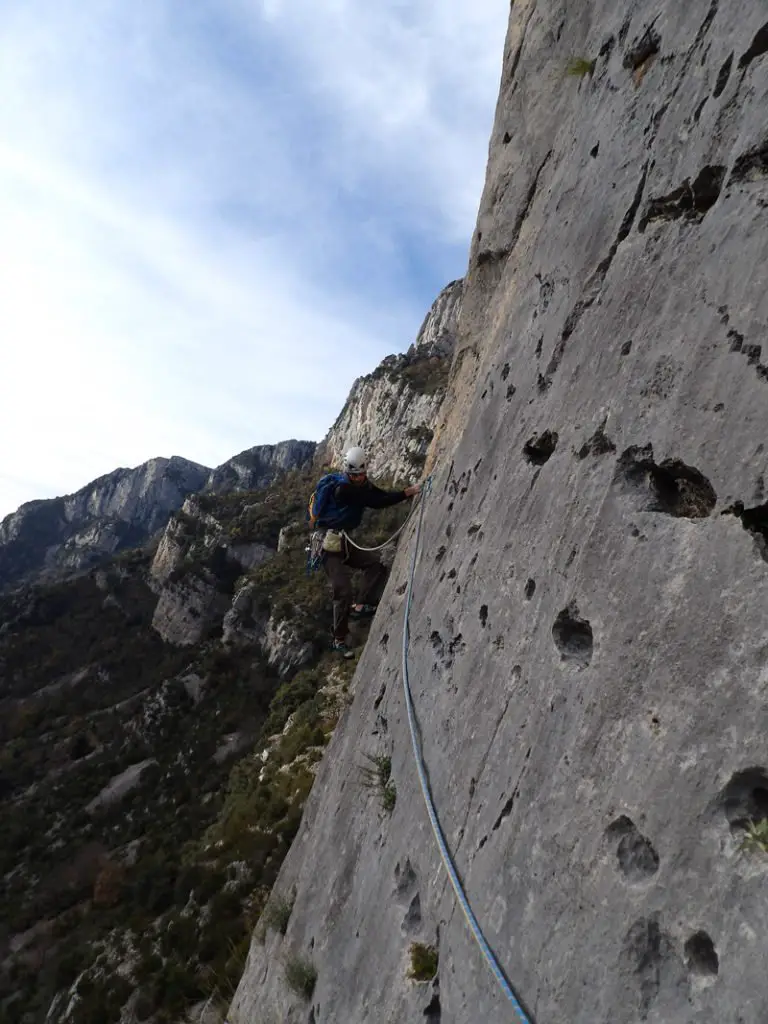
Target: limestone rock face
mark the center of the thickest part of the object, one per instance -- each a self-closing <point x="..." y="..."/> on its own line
<point x="126" y="508"/>
<point x="246" y="624"/>
<point x="121" y="509"/>
<point x="257" y="467"/>
<point x="187" y="609"/>
<point x="284" y="649"/>
<point x="588" y="631"/>
<point x="391" y="413"/>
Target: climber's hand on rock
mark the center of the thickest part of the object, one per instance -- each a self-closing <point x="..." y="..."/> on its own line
<point x="412" y="491"/>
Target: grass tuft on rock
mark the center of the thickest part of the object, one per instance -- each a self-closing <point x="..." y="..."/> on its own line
<point x="424" y="962"/>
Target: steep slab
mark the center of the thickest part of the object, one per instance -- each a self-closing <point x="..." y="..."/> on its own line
<point x="588" y="647"/>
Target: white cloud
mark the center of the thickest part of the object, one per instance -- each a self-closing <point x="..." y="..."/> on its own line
<point x="213" y="222"/>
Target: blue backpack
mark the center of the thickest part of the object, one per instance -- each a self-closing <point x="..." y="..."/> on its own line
<point x="324" y="510"/>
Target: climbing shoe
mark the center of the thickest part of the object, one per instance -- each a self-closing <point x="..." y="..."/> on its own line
<point x="340" y="648"/>
<point x="362" y="611"/>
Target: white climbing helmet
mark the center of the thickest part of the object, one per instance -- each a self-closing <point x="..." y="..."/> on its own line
<point x="355" y="461"/>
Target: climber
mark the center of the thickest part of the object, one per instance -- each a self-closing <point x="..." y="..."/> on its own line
<point x="335" y="508"/>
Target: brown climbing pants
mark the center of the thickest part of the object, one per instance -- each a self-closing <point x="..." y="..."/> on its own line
<point x="339" y="570"/>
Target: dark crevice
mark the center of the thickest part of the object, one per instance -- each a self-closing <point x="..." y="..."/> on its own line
<point x="483" y="615"/>
<point x="505" y="811"/>
<point x="540" y="448"/>
<point x="573" y="637"/>
<point x="672" y="487"/>
<point x="699" y="109"/>
<point x="433" y="1013"/>
<point x="706" y="24"/>
<point x="530" y="589"/>
<point x="492" y="256"/>
<point x="752" y="165"/>
<point x="758" y="47"/>
<point x="626" y="225"/>
<point x="755" y="520"/>
<point x="506" y="139"/>
<point x="701" y="955"/>
<point x="723" y="75"/>
<point x="648" y="45"/>
<point x="519" y="52"/>
<point x="692" y="200"/>
<point x="598" y="444"/>
<point x="529" y="197"/>
<point x="752" y="352"/>
<point x="745" y="799"/>
<point x="412" y="919"/>
<point x="595" y="284"/>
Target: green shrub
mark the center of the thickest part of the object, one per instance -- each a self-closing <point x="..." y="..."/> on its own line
<point x="300" y="976"/>
<point x="755" y="838"/>
<point x="377" y="775"/>
<point x="278" y="912"/>
<point x="580" y="66"/>
<point x="424" y="962"/>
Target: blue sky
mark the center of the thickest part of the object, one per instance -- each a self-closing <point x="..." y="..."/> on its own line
<point x="216" y="214"/>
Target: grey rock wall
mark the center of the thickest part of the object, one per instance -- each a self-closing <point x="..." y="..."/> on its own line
<point x="391" y="412"/>
<point x="257" y="467"/>
<point x="588" y="632"/>
<point x="121" y="509"/>
<point x="126" y="508"/>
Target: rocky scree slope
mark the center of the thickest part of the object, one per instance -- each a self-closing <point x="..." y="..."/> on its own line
<point x="47" y="539"/>
<point x="588" y="650"/>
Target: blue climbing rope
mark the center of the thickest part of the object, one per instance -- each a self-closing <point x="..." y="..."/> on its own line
<point x="436" y="828"/>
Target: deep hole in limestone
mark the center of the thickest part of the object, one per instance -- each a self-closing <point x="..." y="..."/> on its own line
<point x="483" y="614"/>
<point x="745" y="799"/>
<point x="701" y="955"/>
<point x="530" y="588"/>
<point x="723" y="75"/>
<point x="646" y="46"/>
<point x="752" y="165"/>
<point x="637" y="859"/>
<point x="432" y="1013"/>
<point x="540" y="447"/>
<point x="573" y="637"/>
<point x="758" y="47"/>
<point x="672" y="487"/>
<point x="754" y="520"/>
<point x="691" y="200"/>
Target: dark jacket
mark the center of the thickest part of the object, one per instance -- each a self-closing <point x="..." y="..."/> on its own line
<point x="367" y="495"/>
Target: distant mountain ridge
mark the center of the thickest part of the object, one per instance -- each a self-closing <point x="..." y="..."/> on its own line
<point x="125" y="508"/>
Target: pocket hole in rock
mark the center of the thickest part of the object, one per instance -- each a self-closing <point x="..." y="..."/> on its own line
<point x="637" y="859"/>
<point x="745" y="799"/>
<point x="573" y="637"/>
<point x="540" y="448"/>
<point x="701" y="955"/>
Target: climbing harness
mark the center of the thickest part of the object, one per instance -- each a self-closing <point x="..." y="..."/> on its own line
<point x="378" y="547"/>
<point x="427" y="793"/>
<point x="318" y="542"/>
